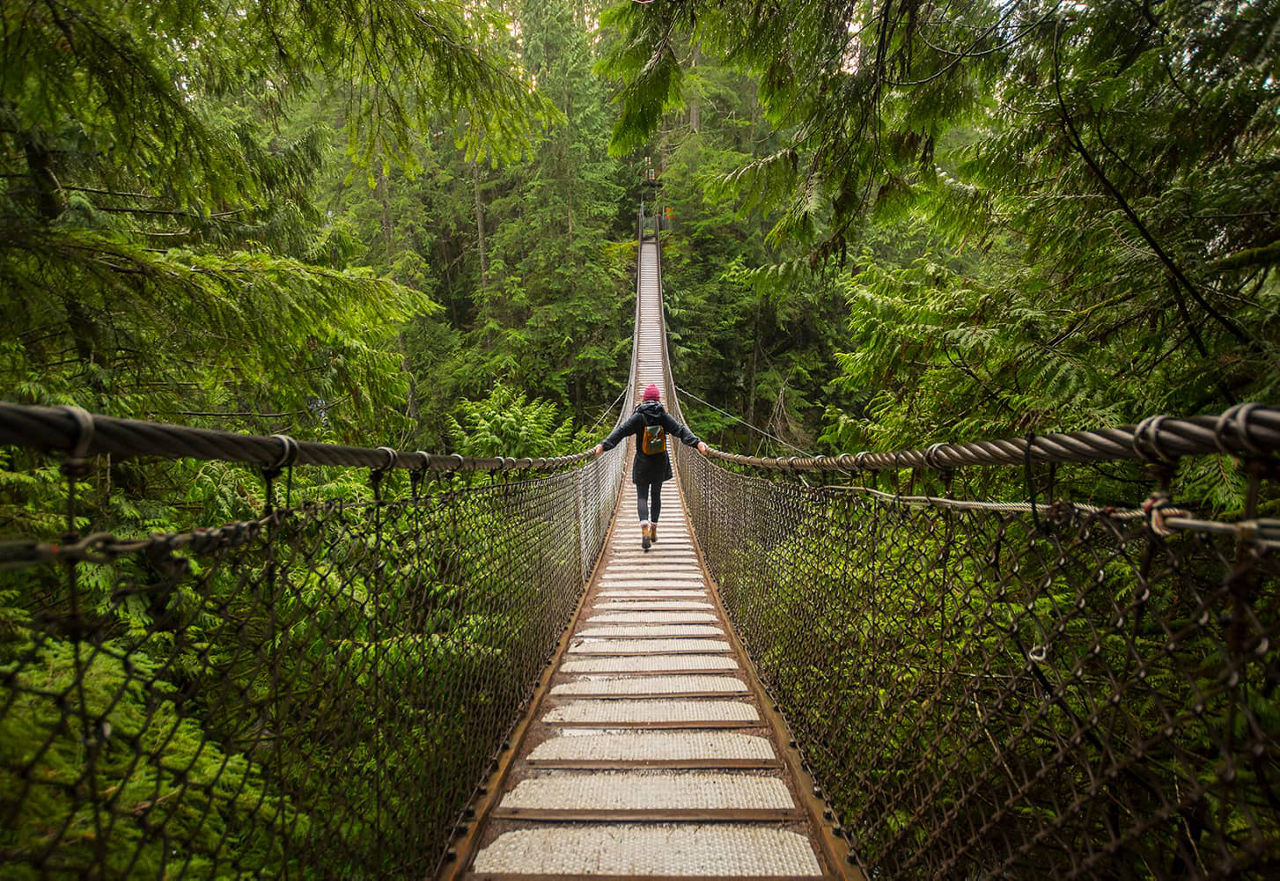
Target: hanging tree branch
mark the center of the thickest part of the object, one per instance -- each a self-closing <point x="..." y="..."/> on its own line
<point x="1077" y="144"/>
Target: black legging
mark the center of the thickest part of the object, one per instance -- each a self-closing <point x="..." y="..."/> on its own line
<point x="645" y="492"/>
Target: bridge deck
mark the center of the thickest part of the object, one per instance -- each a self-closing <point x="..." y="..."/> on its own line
<point x="652" y="751"/>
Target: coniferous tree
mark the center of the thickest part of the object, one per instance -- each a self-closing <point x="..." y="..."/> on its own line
<point x="162" y="254"/>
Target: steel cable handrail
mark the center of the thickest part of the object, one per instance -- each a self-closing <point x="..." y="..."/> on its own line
<point x="64" y="429"/>
<point x="1243" y="430"/>
<point x="1249" y="430"/>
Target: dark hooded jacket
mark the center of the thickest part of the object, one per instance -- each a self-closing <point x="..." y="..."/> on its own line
<point x="647" y="468"/>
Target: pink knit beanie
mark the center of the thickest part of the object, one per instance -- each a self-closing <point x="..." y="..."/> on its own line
<point x="651" y="393"/>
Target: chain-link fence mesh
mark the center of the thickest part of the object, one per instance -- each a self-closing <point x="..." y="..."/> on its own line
<point x="986" y="693"/>
<point x="315" y="693"/>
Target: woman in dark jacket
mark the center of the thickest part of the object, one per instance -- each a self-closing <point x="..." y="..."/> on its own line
<point x="650" y="469"/>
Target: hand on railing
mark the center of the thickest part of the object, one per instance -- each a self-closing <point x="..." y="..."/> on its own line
<point x="702" y="448"/>
<point x="598" y="450"/>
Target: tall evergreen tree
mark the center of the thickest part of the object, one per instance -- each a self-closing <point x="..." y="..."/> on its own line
<point x="550" y="318"/>
<point x="162" y="255"/>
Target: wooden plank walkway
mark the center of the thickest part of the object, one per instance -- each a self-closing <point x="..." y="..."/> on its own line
<point x="651" y="750"/>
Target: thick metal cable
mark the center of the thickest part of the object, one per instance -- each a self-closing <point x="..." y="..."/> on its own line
<point x="1248" y="430"/>
<point x="56" y="428"/>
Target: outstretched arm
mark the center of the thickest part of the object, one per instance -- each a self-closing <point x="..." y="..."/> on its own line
<point x="615" y="437"/>
<point x="681" y="431"/>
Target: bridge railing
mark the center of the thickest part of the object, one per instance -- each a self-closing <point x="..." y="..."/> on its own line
<point x="314" y="691"/>
<point x="1017" y="690"/>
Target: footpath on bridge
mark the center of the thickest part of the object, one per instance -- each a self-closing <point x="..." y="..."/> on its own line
<point x="651" y="749"/>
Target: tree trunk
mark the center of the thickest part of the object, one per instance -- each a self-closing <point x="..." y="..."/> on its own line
<point x="50" y="199"/>
<point x="695" y="103"/>
<point x="484" y="264"/>
<point x="568" y="103"/>
<point x="755" y="359"/>
<point x="408" y="372"/>
<point x="384" y="203"/>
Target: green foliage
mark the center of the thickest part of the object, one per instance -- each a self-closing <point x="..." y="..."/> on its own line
<point x="164" y="255"/>
<point x="531" y="261"/>
<point x="193" y="710"/>
<point x="1041" y="216"/>
<point x="553" y="307"/>
<point x="507" y="423"/>
<point x="201" y="796"/>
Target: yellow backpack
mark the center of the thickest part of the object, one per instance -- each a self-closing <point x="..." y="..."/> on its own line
<point x="654" y="439"/>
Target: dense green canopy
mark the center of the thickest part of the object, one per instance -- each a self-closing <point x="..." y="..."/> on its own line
<point x="164" y="252"/>
<point x="1043" y="215"/>
<point x="894" y="223"/>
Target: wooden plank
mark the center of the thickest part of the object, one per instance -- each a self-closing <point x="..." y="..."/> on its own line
<point x="662" y="815"/>
<point x="574" y="654"/>
<point x="643" y="695"/>
<point x="621" y="764"/>
<point x="512" y="876"/>
<point x="711" y="723"/>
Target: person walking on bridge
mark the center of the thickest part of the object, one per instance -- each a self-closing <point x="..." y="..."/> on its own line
<point x="650" y="424"/>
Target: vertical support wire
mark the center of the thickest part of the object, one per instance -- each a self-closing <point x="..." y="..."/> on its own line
<point x="374" y="597"/>
<point x="277" y="636"/>
<point x="75" y="466"/>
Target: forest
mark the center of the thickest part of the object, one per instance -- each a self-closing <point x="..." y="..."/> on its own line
<point x="375" y="223"/>
<point x="379" y="224"/>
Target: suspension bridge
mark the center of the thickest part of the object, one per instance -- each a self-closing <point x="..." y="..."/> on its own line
<point x="857" y="666"/>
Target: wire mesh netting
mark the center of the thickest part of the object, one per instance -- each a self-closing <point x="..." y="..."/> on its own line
<point x="316" y="692"/>
<point x="985" y="693"/>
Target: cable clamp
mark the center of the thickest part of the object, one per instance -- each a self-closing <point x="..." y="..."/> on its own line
<point x="1154" y="508"/>
<point x="418" y="474"/>
<point x="74" y="463"/>
<point x="1236" y="419"/>
<point x="392" y="458"/>
<point x="288" y="455"/>
<point x="1147" y="444"/>
<point x="931" y="457"/>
